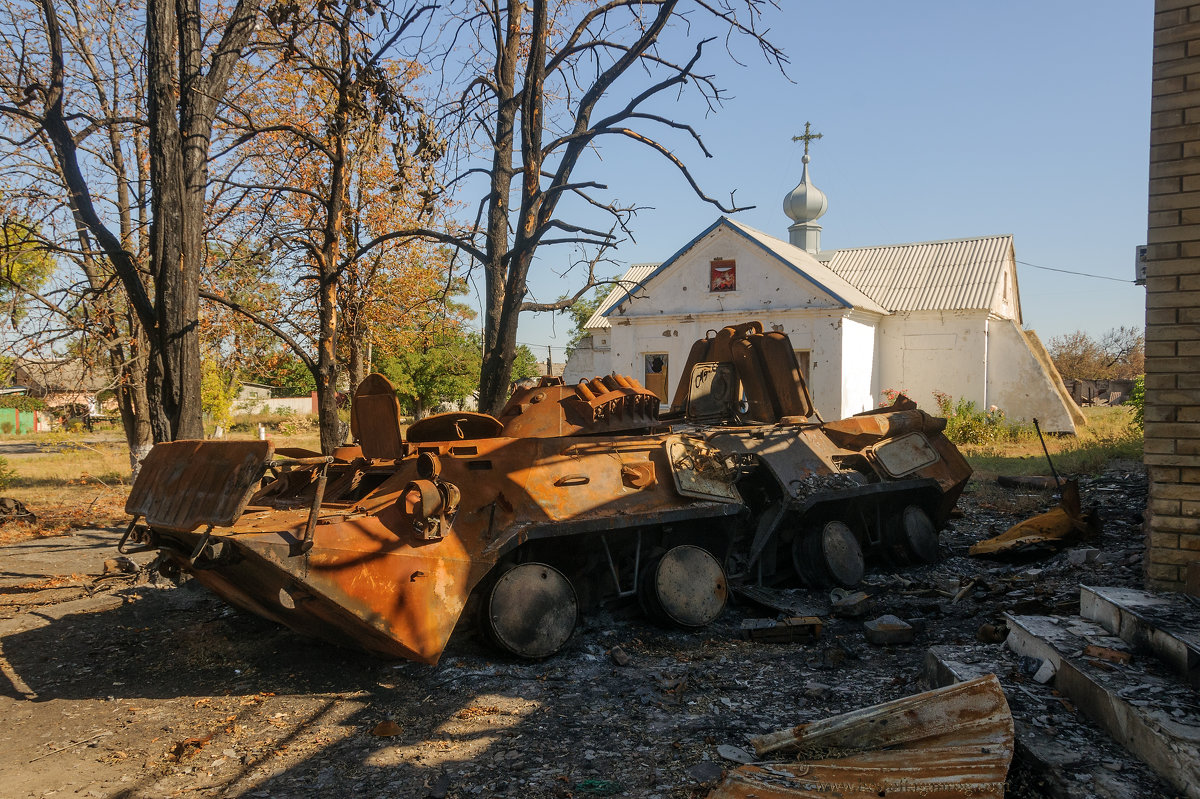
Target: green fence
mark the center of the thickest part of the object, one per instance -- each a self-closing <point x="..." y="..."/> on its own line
<point x="15" y="421"/>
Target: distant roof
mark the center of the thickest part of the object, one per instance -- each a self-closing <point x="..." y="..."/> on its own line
<point x="627" y="284"/>
<point x="58" y="376"/>
<point x="926" y="276"/>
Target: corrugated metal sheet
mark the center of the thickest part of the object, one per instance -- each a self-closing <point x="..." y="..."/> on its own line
<point x="927" y="276"/>
<point x="626" y="284"/>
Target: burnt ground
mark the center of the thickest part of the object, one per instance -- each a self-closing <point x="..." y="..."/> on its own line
<point x="118" y="687"/>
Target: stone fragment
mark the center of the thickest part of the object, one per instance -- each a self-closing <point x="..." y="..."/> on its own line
<point x="1045" y="673"/>
<point x="1082" y="556"/>
<point x="735" y="753"/>
<point x="851" y="605"/>
<point x="705" y="771"/>
<point x="887" y="630"/>
<point x="619" y="656"/>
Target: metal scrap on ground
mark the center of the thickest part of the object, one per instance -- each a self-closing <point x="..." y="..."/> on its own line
<point x="1045" y="533"/>
<point x="950" y="742"/>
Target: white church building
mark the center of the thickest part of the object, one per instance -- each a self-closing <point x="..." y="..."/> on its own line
<point x="922" y="318"/>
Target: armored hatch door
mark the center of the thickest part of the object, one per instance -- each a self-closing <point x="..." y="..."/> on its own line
<point x="184" y="485"/>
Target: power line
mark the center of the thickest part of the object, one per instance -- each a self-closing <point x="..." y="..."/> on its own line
<point x="1069" y="272"/>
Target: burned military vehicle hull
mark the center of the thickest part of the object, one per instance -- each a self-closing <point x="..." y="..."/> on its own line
<point x="574" y="495"/>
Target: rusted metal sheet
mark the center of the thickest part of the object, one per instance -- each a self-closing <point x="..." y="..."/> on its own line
<point x="949" y="742"/>
<point x="1045" y="533"/>
<point x="184" y="485"/>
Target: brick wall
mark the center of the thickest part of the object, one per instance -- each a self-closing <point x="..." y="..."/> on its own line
<point x="1173" y="297"/>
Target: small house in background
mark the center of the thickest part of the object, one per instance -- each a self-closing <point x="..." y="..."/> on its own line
<point x="69" y="384"/>
<point x="259" y="398"/>
<point x="249" y="392"/>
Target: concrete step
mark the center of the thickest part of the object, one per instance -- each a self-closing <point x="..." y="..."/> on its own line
<point x="1140" y="704"/>
<point x="1058" y="754"/>
<point x="1168" y="626"/>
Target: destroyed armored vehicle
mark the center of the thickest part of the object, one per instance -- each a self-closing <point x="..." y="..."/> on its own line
<point x="576" y="494"/>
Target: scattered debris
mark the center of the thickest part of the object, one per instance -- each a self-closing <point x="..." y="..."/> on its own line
<point x="1083" y="556"/>
<point x="797" y="628"/>
<point x="1108" y="654"/>
<point x="937" y="743"/>
<point x="706" y="771"/>
<point x="850" y="604"/>
<point x="888" y="630"/>
<point x="13" y="510"/>
<point x="735" y="753"/>
<point x="1035" y="481"/>
<point x="618" y="656"/>
<point x="1047" y="532"/>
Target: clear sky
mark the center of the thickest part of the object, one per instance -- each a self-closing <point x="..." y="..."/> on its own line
<point x="940" y="120"/>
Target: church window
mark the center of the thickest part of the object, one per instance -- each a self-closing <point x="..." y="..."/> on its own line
<point x="722" y="275"/>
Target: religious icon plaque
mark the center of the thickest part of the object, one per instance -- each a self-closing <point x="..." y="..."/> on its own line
<point x="722" y="276"/>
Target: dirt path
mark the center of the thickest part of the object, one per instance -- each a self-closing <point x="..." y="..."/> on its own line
<point x="130" y="689"/>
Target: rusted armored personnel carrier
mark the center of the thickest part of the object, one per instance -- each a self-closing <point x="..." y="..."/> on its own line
<point x="574" y="495"/>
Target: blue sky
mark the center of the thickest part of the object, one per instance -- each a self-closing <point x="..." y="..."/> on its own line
<point x="940" y="120"/>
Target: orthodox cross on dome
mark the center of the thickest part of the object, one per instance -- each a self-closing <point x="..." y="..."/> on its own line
<point x="807" y="137"/>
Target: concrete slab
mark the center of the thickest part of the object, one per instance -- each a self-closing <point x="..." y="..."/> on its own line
<point x="1140" y="704"/>
<point x="1058" y="759"/>
<point x="1168" y="626"/>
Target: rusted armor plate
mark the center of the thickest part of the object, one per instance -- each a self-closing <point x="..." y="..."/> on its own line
<point x="184" y="485"/>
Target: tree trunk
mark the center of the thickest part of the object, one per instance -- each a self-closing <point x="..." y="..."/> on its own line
<point x="332" y="435"/>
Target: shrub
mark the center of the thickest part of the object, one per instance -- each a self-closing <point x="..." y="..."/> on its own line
<point x="968" y="424"/>
<point x="7" y="474"/>
<point x="1137" y="401"/>
<point x="6" y="427"/>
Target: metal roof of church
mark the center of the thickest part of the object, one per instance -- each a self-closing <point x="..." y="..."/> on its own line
<point x="625" y="284"/>
<point x="926" y="276"/>
<point x="955" y="274"/>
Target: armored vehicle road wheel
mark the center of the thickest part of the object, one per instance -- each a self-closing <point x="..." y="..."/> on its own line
<point x="685" y="588"/>
<point x="828" y="555"/>
<point x="910" y="537"/>
<point x="531" y="610"/>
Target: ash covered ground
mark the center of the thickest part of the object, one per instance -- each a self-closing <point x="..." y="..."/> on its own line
<point x="159" y="691"/>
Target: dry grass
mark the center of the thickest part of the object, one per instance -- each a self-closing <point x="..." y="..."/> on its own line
<point x="67" y="483"/>
<point x="1109" y="435"/>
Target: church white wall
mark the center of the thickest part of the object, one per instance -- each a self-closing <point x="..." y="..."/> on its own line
<point x="764" y="285"/>
<point x="1021" y="385"/>
<point x="818" y="332"/>
<point x="921" y="353"/>
<point x="583" y="362"/>
<point x="857" y="385"/>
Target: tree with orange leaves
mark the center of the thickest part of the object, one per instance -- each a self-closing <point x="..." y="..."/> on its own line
<point x="334" y="155"/>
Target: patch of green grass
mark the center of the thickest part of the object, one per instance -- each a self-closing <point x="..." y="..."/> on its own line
<point x="1110" y="434"/>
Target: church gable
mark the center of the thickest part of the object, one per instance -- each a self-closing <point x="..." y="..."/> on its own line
<point x="723" y="270"/>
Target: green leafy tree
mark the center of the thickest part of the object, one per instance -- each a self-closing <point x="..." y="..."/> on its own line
<point x="581" y="310"/>
<point x="25" y="266"/>
<point x="284" y="372"/>
<point x="525" y="365"/>
<point x="434" y="369"/>
<point x="217" y="393"/>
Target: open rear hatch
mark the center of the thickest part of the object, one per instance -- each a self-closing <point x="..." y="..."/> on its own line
<point x="185" y="485"/>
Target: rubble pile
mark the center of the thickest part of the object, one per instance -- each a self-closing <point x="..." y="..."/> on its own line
<point x="626" y="709"/>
